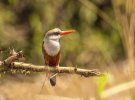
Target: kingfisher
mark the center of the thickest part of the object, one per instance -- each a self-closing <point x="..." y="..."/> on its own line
<point x="51" y="49"/>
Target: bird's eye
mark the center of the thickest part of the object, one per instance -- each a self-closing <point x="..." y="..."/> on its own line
<point x="56" y="33"/>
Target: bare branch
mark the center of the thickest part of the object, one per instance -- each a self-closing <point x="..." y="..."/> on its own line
<point x="61" y="69"/>
<point x="10" y="63"/>
<point x="14" y="56"/>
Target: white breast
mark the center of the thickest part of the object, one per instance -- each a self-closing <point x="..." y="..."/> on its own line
<point x="52" y="47"/>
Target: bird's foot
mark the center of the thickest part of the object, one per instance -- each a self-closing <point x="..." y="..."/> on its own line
<point x="47" y="70"/>
<point x="57" y="67"/>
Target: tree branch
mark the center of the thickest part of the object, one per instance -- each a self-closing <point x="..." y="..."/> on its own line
<point x="61" y="69"/>
<point x="13" y="57"/>
<point x="10" y="63"/>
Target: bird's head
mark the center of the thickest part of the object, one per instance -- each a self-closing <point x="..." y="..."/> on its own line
<point x="55" y="34"/>
<point x="51" y="40"/>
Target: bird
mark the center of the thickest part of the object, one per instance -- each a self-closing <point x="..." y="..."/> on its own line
<point x="51" y="49"/>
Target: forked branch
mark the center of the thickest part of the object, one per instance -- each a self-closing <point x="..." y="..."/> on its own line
<point x="10" y="63"/>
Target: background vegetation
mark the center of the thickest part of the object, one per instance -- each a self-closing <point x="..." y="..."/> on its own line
<point x="104" y="39"/>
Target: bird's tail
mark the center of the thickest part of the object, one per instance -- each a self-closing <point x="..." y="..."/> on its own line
<point x="53" y="79"/>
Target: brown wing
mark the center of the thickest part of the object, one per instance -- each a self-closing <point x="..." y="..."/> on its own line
<point x="50" y="60"/>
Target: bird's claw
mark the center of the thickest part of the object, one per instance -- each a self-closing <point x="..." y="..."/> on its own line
<point x="47" y="70"/>
<point x="57" y="67"/>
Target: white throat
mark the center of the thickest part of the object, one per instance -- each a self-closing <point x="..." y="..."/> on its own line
<point x="51" y="46"/>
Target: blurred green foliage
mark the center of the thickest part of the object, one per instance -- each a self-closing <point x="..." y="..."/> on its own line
<point x="96" y="42"/>
<point x="101" y="83"/>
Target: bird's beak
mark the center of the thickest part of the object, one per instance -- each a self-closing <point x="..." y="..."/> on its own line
<point x="66" y="32"/>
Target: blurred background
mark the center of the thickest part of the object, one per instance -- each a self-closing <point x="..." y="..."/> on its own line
<point x="104" y="39"/>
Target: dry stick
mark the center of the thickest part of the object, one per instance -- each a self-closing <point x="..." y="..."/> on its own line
<point x="14" y="56"/>
<point x="117" y="89"/>
<point x="4" y="65"/>
<point x="61" y="69"/>
<point x="10" y="63"/>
